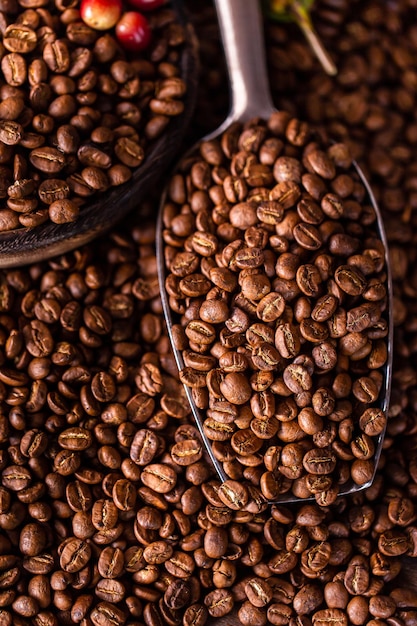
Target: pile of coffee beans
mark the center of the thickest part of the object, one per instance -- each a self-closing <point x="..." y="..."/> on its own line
<point x="276" y="267"/>
<point x="181" y="557"/>
<point x="110" y="514"/>
<point x="77" y="112"/>
<point x="370" y="104"/>
<point x="87" y="414"/>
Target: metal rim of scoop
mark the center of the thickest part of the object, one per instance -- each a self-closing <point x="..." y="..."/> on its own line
<point x="384" y="395"/>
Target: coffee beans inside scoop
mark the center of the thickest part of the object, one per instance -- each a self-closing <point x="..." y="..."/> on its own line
<point x="77" y="113"/>
<point x="276" y="276"/>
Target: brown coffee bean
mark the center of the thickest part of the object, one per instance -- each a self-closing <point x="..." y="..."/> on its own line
<point x="307" y="236"/>
<point x="195" y="615"/>
<point x="362" y="471"/>
<point x="319" y="461"/>
<point x="325" y="356"/>
<point x="106" y="613"/>
<point x="180" y="565"/>
<point x="215" y="542"/>
<point x="271" y="307"/>
<point x="270" y="212"/>
<point x="110" y="590"/>
<point x="200" y="332"/>
<point x="56" y="56"/>
<point x="32" y="540"/>
<point x="321" y="164"/>
<point x="129" y="152"/>
<point x="235" y="388"/>
<point x="48" y="160"/>
<point x="63" y="211"/>
<point x="78" y="496"/>
<point x="16" y="478"/>
<point x="297" y="378"/>
<point x="233" y="494"/>
<point x="287" y="340"/>
<point x="382" y="607"/>
<point x="104" y="514"/>
<point x="324" y="616"/>
<point x="75" y="438"/>
<point x="124" y="495"/>
<point x="308" y="280"/>
<point x="365" y="389"/>
<point x="178" y="594"/>
<point x="159" y="477"/>
<point x="372" y="421"/>
<point x="219" y="602"/>
<point x="187" y="452"/>
<point x="11" y="108"/>
<point x="111" y="562"/>
<point x="350" y="280"/>
<point x="249" y="614"/>
<point x="75" y="555"/>
<point x="357" y="576"/>
<point x="33" y="443"/>
<point x="287" y="169"/>
<point x="10" y="132"/>
<point x="259" y="592"/>
<point x="14" y="69"/>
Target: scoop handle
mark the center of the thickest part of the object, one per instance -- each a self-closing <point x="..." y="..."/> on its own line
<point x="243" y="41"/>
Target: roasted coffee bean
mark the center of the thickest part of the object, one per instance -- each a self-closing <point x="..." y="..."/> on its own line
<point x="75" y="555"/>
<point x="187" y="452"/>
<point x="53" y="189"/>
<point x="10" y="132"/>
<point x="159" y="477"/>
<point x="129" y="152"/>
<point x="56" y="56"/>
<point x="258" y="592"/>
<point x="124" y="495"/>
<point x="233" y="494"/>
<point x="110" y="590"/>
<point x="178" y="594"/>
<point x="144" y="447"/>
<point x="79" y="496"/>
<point x="111" y="563"/>
<point x="32" y="540"/>
<point x="107" y="613"/>
<point x="48" y="160"/>
<point x="16" y="477"/>
<point x="219" y="602"/>
<point x="75" y="438"/>
<point x="14" y="69"/>
<point x="104" y="514"/>
<point x="34" y="443"/>
<point x="195" y="615"/>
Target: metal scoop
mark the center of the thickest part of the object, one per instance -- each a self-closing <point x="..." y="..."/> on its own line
<point x="23" y="246"/>
<point x="241" y="29"/>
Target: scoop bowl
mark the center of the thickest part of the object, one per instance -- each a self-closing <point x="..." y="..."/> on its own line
<point x="251" y="99"/>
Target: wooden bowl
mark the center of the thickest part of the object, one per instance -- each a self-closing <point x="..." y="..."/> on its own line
<point x="23" y="246"/>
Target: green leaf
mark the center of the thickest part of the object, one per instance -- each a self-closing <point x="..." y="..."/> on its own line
<point x="299" y="11"/>
<point x="283" y="10"/>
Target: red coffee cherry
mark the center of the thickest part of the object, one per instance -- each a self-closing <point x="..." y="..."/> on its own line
<point x="133" y="31"/>
<point x="101" y="14"/>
